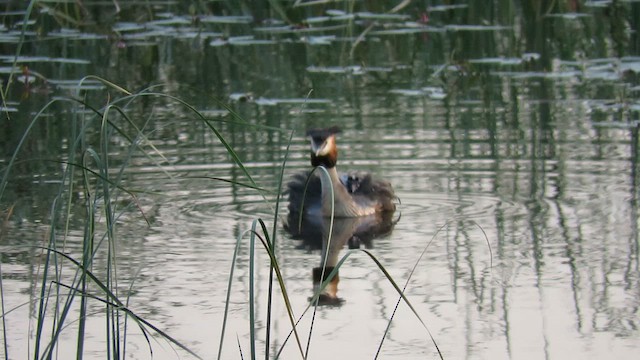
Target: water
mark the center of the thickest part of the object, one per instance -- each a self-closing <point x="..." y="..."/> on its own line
<point x="510" y="137"/>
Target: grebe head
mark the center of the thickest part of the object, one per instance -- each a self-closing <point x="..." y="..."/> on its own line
<point x="323" y="146"/>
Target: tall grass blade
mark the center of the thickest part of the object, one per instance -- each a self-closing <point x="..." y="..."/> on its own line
<point x="252" y="313"/>
<point x="283" y="288"/>
<point x="273" y="244"/>
<point x="126" y="318"/>
<point x="87" y="252"/>
<point x="105" y="184"/>
<point x="228" y="298"/>
<point x="224" y="142"/>
<point x="42" y="303"/>
<point x="325" y="173"/>
<point x="5" y="341"/>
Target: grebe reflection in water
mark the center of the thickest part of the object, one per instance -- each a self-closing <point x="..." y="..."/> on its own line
<point x="353" y="232"/>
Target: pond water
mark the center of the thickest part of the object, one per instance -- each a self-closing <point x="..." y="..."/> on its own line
<point x="510" y="134"/>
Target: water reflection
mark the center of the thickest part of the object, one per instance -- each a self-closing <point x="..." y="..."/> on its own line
<point x="330" y="236"/>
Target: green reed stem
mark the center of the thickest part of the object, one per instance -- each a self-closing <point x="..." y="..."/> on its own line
<point x="273" y="244"/>
<point x="325" y="173"/>
<point x="280" y="278"/>
<point x="228" y="298"/>
<point x="5" y="341"/>
<point x="252" y="314"/>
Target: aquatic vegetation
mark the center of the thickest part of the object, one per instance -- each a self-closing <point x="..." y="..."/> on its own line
<point x="68" y="278"/>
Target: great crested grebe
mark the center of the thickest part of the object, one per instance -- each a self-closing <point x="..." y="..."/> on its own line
<point x="355" y="194"/>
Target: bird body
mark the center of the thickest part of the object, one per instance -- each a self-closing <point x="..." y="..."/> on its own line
<point x="330" y="193"/>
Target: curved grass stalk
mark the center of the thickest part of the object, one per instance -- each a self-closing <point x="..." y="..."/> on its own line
<point x="113" y="300"/>
<point x="106" y="82"/>
<point x="12" y="160"/>
<point x="404" y="288"/>
<point x="280" y="278"/>
<point x="488" y="244"/>
<point x="87" y="251"/>
<point x="234" y="156"/>
<point x="224" y="142"/>
<point x="130" y="96"/>
<point x="113" y="320"/>
<point x="401" y="293"/>
<point x="140" y="134"/>
<point x="37" y="116"/>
